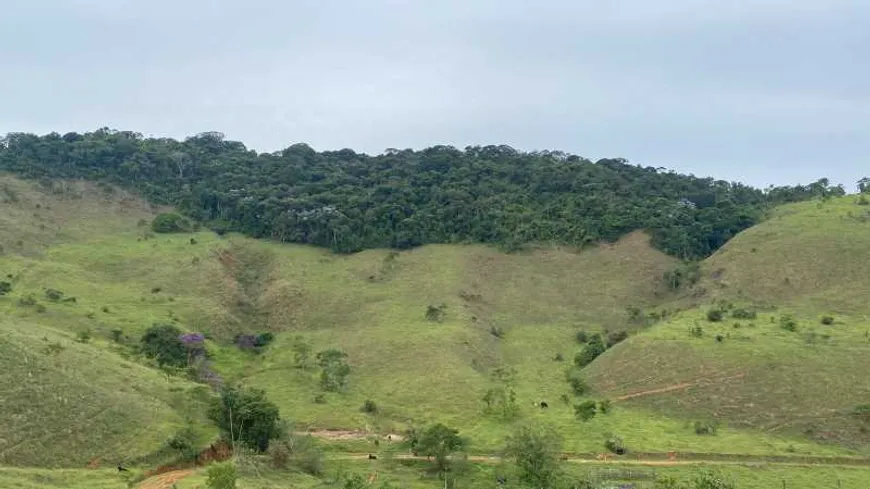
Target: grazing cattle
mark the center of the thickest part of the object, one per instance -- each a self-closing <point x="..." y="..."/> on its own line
<point x="502" y="480"/>
<point x="373" y="457"/>
<point x="121" y="468"/>
<point x="389" y="437"/>
<point x="544" y="405"/>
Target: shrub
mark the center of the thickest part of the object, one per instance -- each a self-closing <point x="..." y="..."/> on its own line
<point x="827" y="320"/>
<point x="83" y="336"/>
<point x="715" y="315"/>
<point x="162" y="342"/>
<point x="370" y="407"/>
<point x="247" y="416"/>
<point x="436" y="313"/>
<point x="264" y="339"/>
<point x="53" y="295"/>
<point x="705" y="428"/>
<point x="496" y="331"/>
<point x="605" y="406"/>
<point x="559" y="357"/>
<point x="741" y="313"/>
<point x="279" y="455"/>
<point x="221" y="475"/>
<point x="788" y="323"/>
<point x="616" y="337"/>
<point x="594" y="347"/>
<point x="333" y="376"/>
<point x="577" y="382"/>
<point x="170" y="222"/>
<point x="5" y="288"/>
<point x="862" y="411"/>
<point x="711" y="480"/>
<point x="585" y="410"/>
<point x="117" y="335"/>
<point x="582" y="336"/>
<point x="615" y="444"/>
<point x="320" y="399"/>
<point x="697" y="331"/>
<point x="184" y="442"/>
<point x="27" y="301"/>
<point x="683" y="275"/>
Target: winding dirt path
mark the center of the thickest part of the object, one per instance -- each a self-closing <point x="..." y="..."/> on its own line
<point x="676" y="387"/>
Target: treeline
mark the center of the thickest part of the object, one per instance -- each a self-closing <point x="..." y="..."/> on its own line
<point x="349" y="201"/>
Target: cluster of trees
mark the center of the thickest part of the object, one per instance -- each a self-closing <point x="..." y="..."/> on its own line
<point x="349" y="201"/>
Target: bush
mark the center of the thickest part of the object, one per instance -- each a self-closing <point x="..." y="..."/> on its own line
<point x="53" y="295"/>
<point x="559" y="357"/>
<point x="370" y="407"/>
<point x="594" y="347"/>
<point x="247" y="416"/>
<point x="320" y="399"/>
<point x="605" y="406"/>
<point x="184" y="442"/>
<point x="683" y="275"/>
<point x="436" y="313"/>
<point x="827" y="320"/>
<point x="497" y="332"/>
<point x="264" y="339"/>
<point x="788" y="323"/>
<point x="221" y="475"/>
<point x="705" y="428"/>
<point x="740" y="313"/>
<point x="162" y="342"/>
<point x="697" y="331"/>
<point x="117" y="335"/>
<point x="615" y="444"/>
<point x="27" y="301"/>
<point x="616" y="337"/>
<point x="83" y="336"/>
<point x="279" y="455"/>
<point x="5" y="288"/>
<point x="715" y="315"/>
<point x="577" y="382"/>
<point x="585" y="410"/>
<point x="582" y="336"/>
<point x="171" y="222"/>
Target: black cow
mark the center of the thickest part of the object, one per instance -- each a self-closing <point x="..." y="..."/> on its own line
<point x="121" y="468"/>
<point x="373" y="457"/>
<point x="544" y="405"/>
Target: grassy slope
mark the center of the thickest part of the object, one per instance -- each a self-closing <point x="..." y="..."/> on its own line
<point x="805" y="262"/>
<point x="86" y="401"/>
<point x="372" y="304"/>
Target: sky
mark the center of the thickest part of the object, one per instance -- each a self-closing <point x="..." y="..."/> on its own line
<point x="758" y="91"/>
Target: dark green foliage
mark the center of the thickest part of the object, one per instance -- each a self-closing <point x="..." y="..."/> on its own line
<point x="715" y="315"/>
<point x="535" y="451"/>
<point x="577" y="382"/>
<point x="706" y="428"/>
<point x="741" y="313"/>
<point x="496" y="331"/>
<point x="697" y="331"/>
<point x="370" y="407"/>
<point x="582" y="337"/>
<point x="117" y="335"/>
<point x="162" y="342"/>
<point x="615" y="444"/>
<point x="247" y="417"/>
<point x="616" y="337"/>
<point x="605" y="406"/>
<point x="683" y="276"/>
<point x="301" y="452"/>
<point x="349" y="201"/>
<point x="53" y="295"/>
<point x="559" y="357"/>
<point x="5" y="288"/>
<point x="439" y="441"/>
<point x="83" y="336"/>
<point x="788" y="323"/>
<point x="221" y="475"/>
<point x="264" y="339"/>
<point x="184" y="442"/>
<point x="594" y="347"/>
<point x="333" y="376"/>
<point x="436" y="313"/>
<point x="320" y="399"/>
<point x="354" y="481"/>
<point x="586" y="410"/>
<point x="171" y="222"/>
<point x="27" y="301"/>
<point x="827" y="320"/>
<point x="301" y="352"/>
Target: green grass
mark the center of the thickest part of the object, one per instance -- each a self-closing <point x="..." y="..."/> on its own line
<point x="793" y="397"/>
<point x="16" y="478"/>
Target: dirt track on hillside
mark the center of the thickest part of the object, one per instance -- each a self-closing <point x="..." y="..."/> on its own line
<point x="165" y="480"/>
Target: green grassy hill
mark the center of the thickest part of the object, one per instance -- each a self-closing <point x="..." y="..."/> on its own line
<point x="775" y="391"/>
<point x="801" y="265"/>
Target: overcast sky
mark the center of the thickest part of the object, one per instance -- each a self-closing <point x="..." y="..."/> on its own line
<point x="761" y="91"/>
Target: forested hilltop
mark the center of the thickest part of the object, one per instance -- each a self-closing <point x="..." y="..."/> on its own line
<point x="349" y="201"/>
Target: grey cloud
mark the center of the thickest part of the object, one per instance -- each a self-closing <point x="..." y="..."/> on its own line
<point x="767" y="91"/>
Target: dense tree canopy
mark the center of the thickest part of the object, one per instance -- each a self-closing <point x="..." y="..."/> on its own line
<point x="403" y="198"/>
